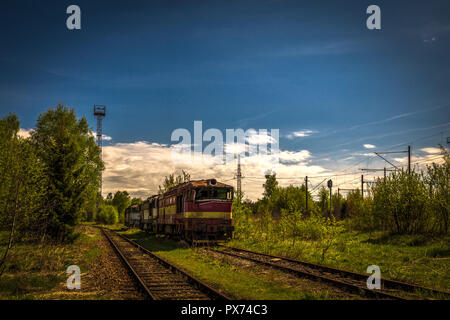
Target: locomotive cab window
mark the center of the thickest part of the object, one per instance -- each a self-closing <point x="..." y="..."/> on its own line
<point x="222" y="194"/>
<point x="213" y="194"/>
<point x="202" y="194"/>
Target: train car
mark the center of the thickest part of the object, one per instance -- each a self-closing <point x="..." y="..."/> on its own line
<point x="149" y="212"/>
<point x="197" y="211"/>
<point x="133" y="216"/>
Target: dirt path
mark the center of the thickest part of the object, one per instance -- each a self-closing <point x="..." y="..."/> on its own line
<point x="105" y="279"/>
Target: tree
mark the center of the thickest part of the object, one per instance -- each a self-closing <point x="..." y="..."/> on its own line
<point x="324" y="199"/>
<point x="72" y="165"/>
<point x="109" y="198"/>
<point x="438" y="184"/>
<point x="270" y="186"/>
<point x="336" y="204"/>
<point x="107" y="214"/>
<point x="172" y="181"/>
<point x="22" y="182"/>
<point x="121" y="201"/>
<point x="136" y="201"/>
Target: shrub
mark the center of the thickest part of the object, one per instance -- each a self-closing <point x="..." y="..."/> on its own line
<point x="107" y="214"/>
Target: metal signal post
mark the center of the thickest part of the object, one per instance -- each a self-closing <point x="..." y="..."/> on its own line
<point x="99" y="113"/>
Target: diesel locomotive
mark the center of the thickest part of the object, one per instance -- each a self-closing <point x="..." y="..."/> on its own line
<point x="196" y="211"/>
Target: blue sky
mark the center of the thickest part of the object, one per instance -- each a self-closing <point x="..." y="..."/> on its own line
<point x="290" y="65"/>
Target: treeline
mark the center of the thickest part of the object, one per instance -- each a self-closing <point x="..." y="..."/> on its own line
<point x="402" y="203"/>
<point x="112" y="209"/>
<point x="408" y="203"/>
<point x="49" y="181"/>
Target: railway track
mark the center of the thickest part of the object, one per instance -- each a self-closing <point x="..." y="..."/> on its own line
<point x="157" y="278"/>
<point x="350" y="281"/>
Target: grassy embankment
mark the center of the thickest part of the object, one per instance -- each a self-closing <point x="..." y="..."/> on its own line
<point x="408" y="258"/>
<point x="35" y="271"/>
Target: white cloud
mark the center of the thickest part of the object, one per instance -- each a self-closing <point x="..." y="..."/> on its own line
<point x="369" y="146"/>
<point x="427" y="159"/>
<point x="140" y="167"/>
<point x="431" y="150"/>
<point x="364" y="154"/>
<point x="300" y="133"/>
<point x="104" y="136"/>
<point x="259" y="138"/>
<point x="235" y="148"/>
<point x="24" y="133"/>
<point x="292" y="156"/>
<point x="253" y="140"/>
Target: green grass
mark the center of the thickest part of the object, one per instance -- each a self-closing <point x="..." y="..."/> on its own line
<point x="32" y="270"/>
<point x="401" y="257"/>
<point x="237" y="282"/>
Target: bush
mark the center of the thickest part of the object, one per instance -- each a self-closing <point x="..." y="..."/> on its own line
<point x="400" y="203"/>
<point x="107" y="214"/>
<point x="405" y="203"/>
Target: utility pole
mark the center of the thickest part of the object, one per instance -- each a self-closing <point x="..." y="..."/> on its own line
<point x="406" y="151"/>
<point x="409" y="159"/>
<point x="99" y="113"/>
<point x="306" y="193"/>
<point x="362" y="186"/>
<point x="239" y="177"/>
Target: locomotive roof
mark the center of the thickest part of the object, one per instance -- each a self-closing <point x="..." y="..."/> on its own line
<point x="199" y="183"/>
<point x="155" y="196"/>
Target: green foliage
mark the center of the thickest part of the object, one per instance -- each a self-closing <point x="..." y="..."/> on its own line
<point x="405" y="203"/>
<point x="270" y="186"/>
<point x="109" y="198"/>
<point x="72" y="165"/>
<point x="354" y="204"/>
<point x="437" y="181"/>
<point x="324" y="201"/>
<point x="121" y="201"/>
<point x="242" y="216"/>
<point x="22" y="184"/>
<point x="172" y="181"/>
<point x="136" y="201"/>
<point x="107" y="214"/>
<point x="400" y="203"/>
<point x="336" y="206"/>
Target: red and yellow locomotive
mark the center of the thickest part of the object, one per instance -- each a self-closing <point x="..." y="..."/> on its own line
<point x="197" y="211"/>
